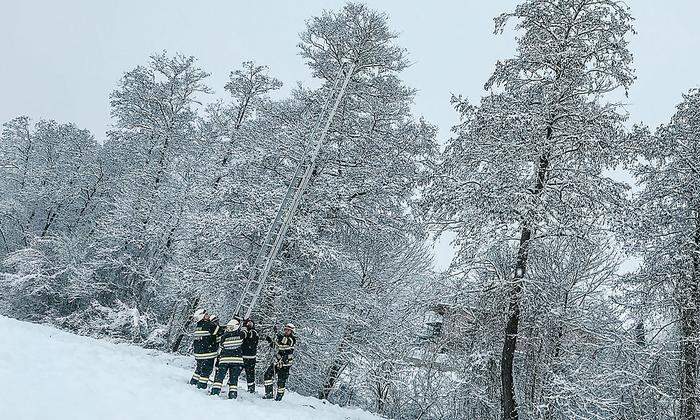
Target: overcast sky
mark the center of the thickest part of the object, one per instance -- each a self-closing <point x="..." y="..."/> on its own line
<point x="60" y="59"/>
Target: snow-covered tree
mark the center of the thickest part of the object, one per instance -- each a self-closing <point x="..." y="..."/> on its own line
<point x="150" y="170"/>
<point x="359" y="204"/>
<point x="248" y="87"/>
<point x="667" y="236"/>
<point x="527" y="163"/>
<point x="51" y="175"/>
<point x="51" y="186"/>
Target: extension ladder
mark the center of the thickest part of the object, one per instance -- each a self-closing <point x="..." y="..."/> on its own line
<point x="272" y="242"/>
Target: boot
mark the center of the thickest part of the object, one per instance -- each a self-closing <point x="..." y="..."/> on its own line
<point x="268" y="392"/>
<point x="251" y="388"/>
<point x="279" y="396"/>
<point x="232" y="395"/>
<point x="193" y="381"/>
<point x="202" y="385"/>
<point x="215" y="391"/>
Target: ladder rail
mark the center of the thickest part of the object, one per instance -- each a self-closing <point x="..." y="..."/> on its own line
<point x="271" y="230"/>
<point x="285" y="212"/>
<point x="327" y="101"/>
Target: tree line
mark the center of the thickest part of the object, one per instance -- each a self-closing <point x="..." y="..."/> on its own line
<point x="533" y="320"/>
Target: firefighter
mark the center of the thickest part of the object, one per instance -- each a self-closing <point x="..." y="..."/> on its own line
<point x="250" y="350"/>
<point x="230" y="359"/>
<point x="284" y="344"/>
<point x="205" y="345"/>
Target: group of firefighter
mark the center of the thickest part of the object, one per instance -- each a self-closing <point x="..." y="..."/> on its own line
<point x="232" y="349"/>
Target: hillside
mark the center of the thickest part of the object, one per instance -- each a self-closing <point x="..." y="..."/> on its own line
<point x="52" y="374"/>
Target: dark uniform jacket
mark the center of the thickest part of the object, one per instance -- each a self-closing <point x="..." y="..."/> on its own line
<point x="285" y="348"/>
<point x="231" y="347"/>
<point x="249" y="347"/>
<point x="205" y="343"/>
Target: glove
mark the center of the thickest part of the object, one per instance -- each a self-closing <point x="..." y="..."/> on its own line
<point x="268" y="339"/>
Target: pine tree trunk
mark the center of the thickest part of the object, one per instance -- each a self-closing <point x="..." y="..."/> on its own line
<point x="688" y="362"/>
<point x="508" y="401"/>
<point x="510" y="408"/>
<point x="337" y="367"/>
<point x="185" y="325"/>
<point x="333" y="374"/>
<point x="690" y="296"/>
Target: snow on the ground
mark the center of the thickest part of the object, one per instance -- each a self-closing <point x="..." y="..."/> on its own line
<point x="51" y="374"/>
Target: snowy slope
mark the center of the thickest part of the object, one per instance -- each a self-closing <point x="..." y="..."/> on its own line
<point x="52" y="374"/>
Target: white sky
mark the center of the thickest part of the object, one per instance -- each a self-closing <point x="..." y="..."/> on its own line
<point x="60" y="60"/>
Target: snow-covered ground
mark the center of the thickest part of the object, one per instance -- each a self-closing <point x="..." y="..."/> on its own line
<point x="51" y="374"/>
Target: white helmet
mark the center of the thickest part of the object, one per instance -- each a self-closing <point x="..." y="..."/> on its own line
<point x="290" y="327"/>
<point x="233" y="324"/>
<point x="213" y="318"/>
<point x="199" y="315"/>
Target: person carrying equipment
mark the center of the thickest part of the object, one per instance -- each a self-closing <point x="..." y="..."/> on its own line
<point x="284" y="343"/>
<point x="230" y="359"/>
<point x="205" y="347"/>
<point x="249" y="348"/>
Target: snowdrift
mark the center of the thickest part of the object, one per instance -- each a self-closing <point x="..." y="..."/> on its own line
<point x="52" y="374"/>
